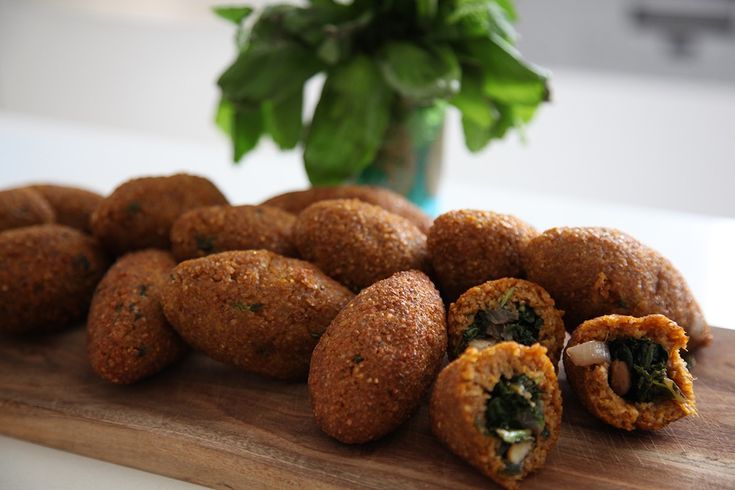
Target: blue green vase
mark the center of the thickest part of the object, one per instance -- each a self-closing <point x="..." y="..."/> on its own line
<point x="410" y="159"/>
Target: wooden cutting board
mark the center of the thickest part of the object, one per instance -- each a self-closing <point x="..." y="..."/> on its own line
<point x="206" y="423"/>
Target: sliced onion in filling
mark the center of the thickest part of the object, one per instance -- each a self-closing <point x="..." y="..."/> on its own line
<point x="589" y="353"/>
<point x="480" y="344"/>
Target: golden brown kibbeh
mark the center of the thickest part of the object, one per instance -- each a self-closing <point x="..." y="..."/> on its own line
<point x="499" y="409"/>
<point x="128" y="338"/>
<point x="253" y="309"/>
<point x="24" y="207"/>
<point x="47" y="276"/>
<point x="468" y="247"/>
<point x="628" y="371"/>
<point x="506" y="309"/>
<point x="140" y="212"/>
<point x="357" y="243"/>
<point x="378" y="358"/>
<point x="592" y="272"/>
<point x="73" y="206"/>
<point x="214" y="229"/>
<point x="296" y="201"/>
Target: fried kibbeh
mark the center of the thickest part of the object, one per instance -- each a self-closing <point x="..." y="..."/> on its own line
<point x="214" y="229"/>
<point x="128" y="337"/>
<point x="592" y="272"/>
<point x="73" y="206"/>
<point x="468" y="247"/>
<point x="378" y="358"/>
<point x="502" y="310"/>
<point x="253" y="309"/>
<point x="47" y="276"/>
<point x="296" y="201"/>
<point x="499" y="409"/>
<point x="357" y="243"/>
<point x="140" y="212"/>
<point x="628" y="371"/>
<point x="21" y="207"/>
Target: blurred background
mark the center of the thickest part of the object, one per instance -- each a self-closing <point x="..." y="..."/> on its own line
<point x="643" y="107"/>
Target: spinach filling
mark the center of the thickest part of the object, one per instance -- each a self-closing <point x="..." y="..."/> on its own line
<point x="646" y="361"/>
<point x="510" y="320"/>
<point x="514" y="413"/>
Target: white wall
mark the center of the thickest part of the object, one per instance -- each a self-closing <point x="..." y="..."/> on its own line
<point x="149" y="67"/>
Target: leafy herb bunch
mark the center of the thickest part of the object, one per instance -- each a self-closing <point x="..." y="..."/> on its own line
<point x="374" y="54"/>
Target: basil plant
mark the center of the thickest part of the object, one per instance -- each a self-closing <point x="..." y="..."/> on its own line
<point x="373" y="53"/>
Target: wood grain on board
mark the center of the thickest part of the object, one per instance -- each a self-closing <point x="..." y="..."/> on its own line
<point x="207" y="423"/>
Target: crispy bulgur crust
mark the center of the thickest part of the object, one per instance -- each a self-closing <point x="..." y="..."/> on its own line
<point x="378" y="358"/>
<point x="297" y="201"/>
<point x="591" y="385"/>
<point x="357" y="243"/>
<point x="457" y="408"/>
<point x="253" y="309"/>
<point x="215" y="229"/>
<point x="140" y="212"/>
<point x="128" y="338"/>
<point x="598" y="271"/>
<point x="24" y="207"/>
<point x="488" y="295"/>
<point x="47" y="276"/>
<point x="73" y="206"/>
<point x="468" y="247"/>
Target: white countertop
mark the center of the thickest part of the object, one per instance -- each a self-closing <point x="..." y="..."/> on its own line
<point x="33" y="149"/>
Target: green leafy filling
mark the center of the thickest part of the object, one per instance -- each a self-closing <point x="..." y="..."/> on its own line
<point x="515" y="413"/>
<point x="646" y="361"/>
<point x="510" y="320"/>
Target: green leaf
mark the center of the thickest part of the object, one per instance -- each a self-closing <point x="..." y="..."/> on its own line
<point x="476" y="137"/>
<point x="509" y="9"/>
<point x="508" y="78"/>
<point x="234" y="14"/>
<point x="349" y="122"/>
<point x="247" y="126"/>
<point x="524" y="113"/>
<point x="472" y="101"/>
<point x="420" y="73"/>
<point x="338" y="37"/>
<point x="224" y="116"/>
<point x="500" y="23"/>
<point x="308" y="25"/>
<point x="268" y="72"/>
<point x="242" y="125"/>
<point x="426" y="8"/>
<point x="282" y="120"/>
<point x="329" y="51"/>
<point x="468" y="9"/>
<point x="462" y="20"/>
<point x="269" y="26"/>
<point x="508" y="119"/>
